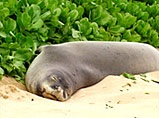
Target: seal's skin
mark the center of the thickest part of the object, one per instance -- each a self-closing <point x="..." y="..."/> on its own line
<point x="60" y="70"/>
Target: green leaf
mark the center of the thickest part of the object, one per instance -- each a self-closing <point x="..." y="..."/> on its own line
<point x="3" y="34"/>
<point x="127" y="34"/>
<point x="95" y="29"/>
<point x="8" y="67"/>
<point x="9" y="25"/>
<point x="44" y="32"/>
<point x="125" y="20"/>
<point x="153" y="38"/>
<point x="19" y="65"/>
<point x="37" y="25"/>
<point x="112" y="21"/>
<point x="153" y="9"/>
<point x="1" y="76"/>
<point x="54" y="21"/>
<point x="1" y="25"/>
<point x="72" y="16"/>
<point x="4" y="51"/>
<point x="120" y="17"/>
<point x="34" y="12"/>
<point x="135" y="37"/>
<point x="104" y="19"/>
<point x="13" y="46"/>
<point x="17" y="78"/>
<point x="57" y="12"/>
<point x="117" y="29"/>
<point x="131" y="36"/>
<point x="4" y="13"/>
<point x="1" y="73"/>
<point x="129" y="20"/>
<point x="1" y="5"/>
<point x="96" y="13"/>
<point x="45" y="15"/>
<point x="84" y="26"/>
<point x="23" y="54"/>
<point x="24" y="41"/>
<point x="143" y="28"/>
<point x="99" y="15"/>
<point x="129" y="76"/>
<point x="80" y="10"/>
<point x="34" y="1"/>
<point x="75" y="33"/>
<point x="132" y="8"/>
<point x="25" y="19"/>
<point x="103" y="35"/>
<point x="143" y="15"/>
<point x="154" y="23"/>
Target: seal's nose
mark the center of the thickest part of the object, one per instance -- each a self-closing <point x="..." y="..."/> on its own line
<point x="48" y="92"/>
<point x="55" y="92"/>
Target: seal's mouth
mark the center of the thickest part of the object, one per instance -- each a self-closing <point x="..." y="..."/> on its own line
<point x="56" y="93"/>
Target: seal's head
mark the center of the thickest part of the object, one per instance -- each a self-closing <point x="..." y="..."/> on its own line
<point x="54" y="87"/>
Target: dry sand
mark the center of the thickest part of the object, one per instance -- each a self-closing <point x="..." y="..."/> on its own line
<point x="113" y="97"/>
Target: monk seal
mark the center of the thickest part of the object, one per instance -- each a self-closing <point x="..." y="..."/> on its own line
<point x="62" y="69"/>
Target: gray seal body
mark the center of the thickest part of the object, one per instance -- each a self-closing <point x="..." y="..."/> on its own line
<point x="60" y="70"/>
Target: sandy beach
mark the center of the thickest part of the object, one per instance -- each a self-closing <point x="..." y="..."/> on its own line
<point x="113" y="97"/>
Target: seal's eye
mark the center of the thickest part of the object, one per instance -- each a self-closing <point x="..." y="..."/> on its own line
<point x="55" y="86"/>
<point x="52" y="77"/>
